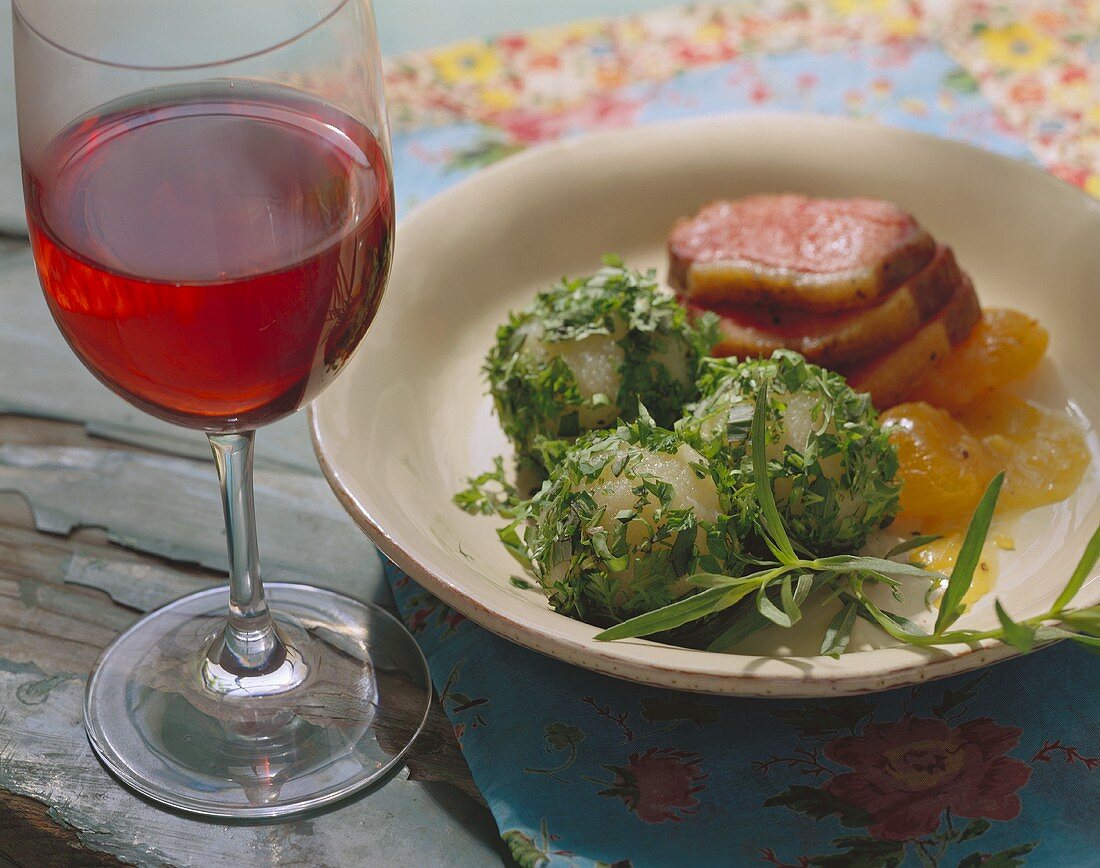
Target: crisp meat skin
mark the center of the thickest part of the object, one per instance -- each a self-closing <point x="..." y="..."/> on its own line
<point x="890" y="376"/>
<point x="788" y="250"/>
<point x="835" y="339"/>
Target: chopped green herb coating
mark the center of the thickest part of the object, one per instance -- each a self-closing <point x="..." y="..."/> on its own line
<point x="623" y="519"/>
<point x="832" y="467"/>
<point x="586" y="353"/>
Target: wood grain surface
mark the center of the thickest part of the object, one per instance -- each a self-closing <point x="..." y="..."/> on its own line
<point x="63" y="597"/>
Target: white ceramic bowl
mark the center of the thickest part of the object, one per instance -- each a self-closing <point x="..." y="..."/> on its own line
<point x="406" y="423"/>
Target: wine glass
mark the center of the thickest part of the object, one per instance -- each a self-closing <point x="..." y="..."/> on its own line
<point x="211" y="212"/>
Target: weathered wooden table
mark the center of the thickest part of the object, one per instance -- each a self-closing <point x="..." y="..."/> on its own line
<point x="92" y="533"/>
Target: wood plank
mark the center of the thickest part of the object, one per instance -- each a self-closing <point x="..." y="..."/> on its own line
<point x="169" y="506"/>
<point x="30" y="837"/>
<point x="59" y="606"/>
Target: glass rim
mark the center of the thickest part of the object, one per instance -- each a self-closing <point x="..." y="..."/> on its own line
<point x="18" y="12"/>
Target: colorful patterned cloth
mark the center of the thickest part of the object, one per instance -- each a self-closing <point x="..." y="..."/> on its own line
<point x="1038" y="66"/>
<point x="996" y="768"/>
<point x="991" y="769"/>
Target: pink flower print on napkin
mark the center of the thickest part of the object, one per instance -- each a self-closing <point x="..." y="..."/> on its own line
<point x="906" y="774"/>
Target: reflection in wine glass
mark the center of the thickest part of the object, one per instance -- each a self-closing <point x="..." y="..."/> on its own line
<point x="211" y="212"/>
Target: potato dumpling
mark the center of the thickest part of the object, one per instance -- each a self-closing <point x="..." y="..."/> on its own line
<point x="832" y="467"/>
<point x="624" y="518"/>
<point x="595" y="362"/>
<point x="588" y="352"/>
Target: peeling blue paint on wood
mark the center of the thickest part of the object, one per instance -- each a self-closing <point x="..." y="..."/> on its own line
<point x="170" y="507"/>
<point x="44" y="754"/>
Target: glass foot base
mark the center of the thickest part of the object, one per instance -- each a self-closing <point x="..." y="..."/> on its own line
<point x="166" y="726"/>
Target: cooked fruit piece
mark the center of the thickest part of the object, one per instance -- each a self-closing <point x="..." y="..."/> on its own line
<point x="943" y="467"/>
<point x="1005" y="346"/>
<point x="1043" y="454"/>
<point x="946" y="462"/>
<point x="889" y="377"/>
<point x="837" y="339"/>
<point x="794" y="251"/>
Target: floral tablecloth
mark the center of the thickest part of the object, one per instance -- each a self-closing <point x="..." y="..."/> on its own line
<point x="995" y="769"/>
<point x="1035" y="62"/>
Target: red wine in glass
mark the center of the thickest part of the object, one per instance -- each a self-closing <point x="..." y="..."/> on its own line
<point x="213" y="253"/>
<point x="211" y="210"/>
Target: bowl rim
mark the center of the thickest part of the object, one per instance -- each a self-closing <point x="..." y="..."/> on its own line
<point x="907" y="664"/>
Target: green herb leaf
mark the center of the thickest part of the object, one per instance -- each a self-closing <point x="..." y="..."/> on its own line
<point x="803" y="587"/>
<point x="1084" y="567"/>
<point x="1052" y="633"/>
<point x="490" y="493"/>
<point x="787" y="600"/>
<point x="896" y="626"/>
<point x="1090" y="642"/>
<point x="906" y="631"/>
<point x="1019" y="636"/>
<point x="776" y="551"/>
<point x="1084" y="620"/>
<point x="878" y="578"/>
<point x="720" y="580"/>
<point x="844" y="563"/>
<point x="951" y="606"/>
<point x="772" y="612"/>
<point x="773" y="524"/>
<point x="749" y="621"/>
<point x="910" y="544"/>
<point x="839" y="632"/>
<point x="678" y="613"/>
<point x="510" y="539"/>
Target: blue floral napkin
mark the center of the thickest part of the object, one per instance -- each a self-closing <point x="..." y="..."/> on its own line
<point x="993" y="769"/>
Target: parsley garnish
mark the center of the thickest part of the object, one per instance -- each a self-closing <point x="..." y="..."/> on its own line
<point x="535" y="392"/>
<point x="837" y="487"/>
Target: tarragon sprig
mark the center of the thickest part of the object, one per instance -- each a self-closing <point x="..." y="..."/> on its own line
<point x="780" y="587"/>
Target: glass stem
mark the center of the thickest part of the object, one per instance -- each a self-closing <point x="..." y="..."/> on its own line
<point x="251" y="645"/>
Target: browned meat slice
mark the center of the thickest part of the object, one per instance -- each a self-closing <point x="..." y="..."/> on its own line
<point x="834" y="339"/>
<point x="794" y="251"/>
<point x="890" y="376"/>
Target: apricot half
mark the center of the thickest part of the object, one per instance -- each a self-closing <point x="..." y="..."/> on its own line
<point x="1005" y="346"/>
<point x="946" y="462"/>
<point x="943" y="467"/>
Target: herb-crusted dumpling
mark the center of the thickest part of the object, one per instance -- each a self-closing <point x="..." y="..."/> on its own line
<point x="587" y="352"/>
<point x="832" y="466"/>
<point x="623" y="519"/>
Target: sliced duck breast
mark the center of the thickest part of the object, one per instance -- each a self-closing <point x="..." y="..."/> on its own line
<point x="890" y="376"/>
<point x="835" y="339"/>
<point x="788" y="250"/>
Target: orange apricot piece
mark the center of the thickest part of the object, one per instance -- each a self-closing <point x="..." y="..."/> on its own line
<point x="1044" y="455"/>
<point x="943" y="467"/>
<point x="1005" y="346"/>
